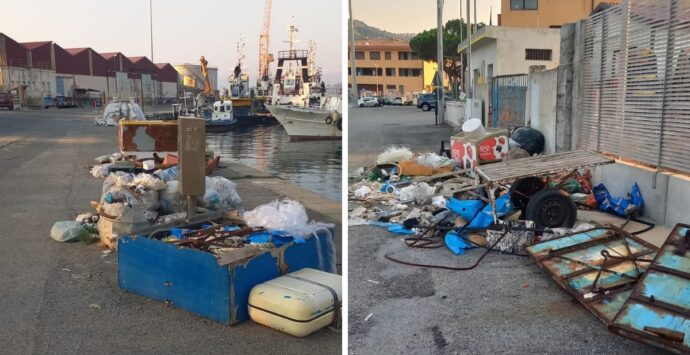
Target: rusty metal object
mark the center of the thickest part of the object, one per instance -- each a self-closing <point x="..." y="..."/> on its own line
<point x="598" y="267"/>
<point x="148" y="136"/>
<point x="658" y="309"/>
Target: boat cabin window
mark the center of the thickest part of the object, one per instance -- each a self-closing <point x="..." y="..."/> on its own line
<point x="290" y="82"/>
<point x="222" y="108"/>
<point x="227" y="108"/>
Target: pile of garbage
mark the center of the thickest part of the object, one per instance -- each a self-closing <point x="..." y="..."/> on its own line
<point x="120" y="110"/>
<point x="432" y="199"/>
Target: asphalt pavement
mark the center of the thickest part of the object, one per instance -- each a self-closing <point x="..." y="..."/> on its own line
<point x="63" y="298"/>
<point x="506" y="305"/>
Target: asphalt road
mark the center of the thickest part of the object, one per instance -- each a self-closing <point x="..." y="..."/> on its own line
<point x="373" y="129"/>
<point x="505" y="305"/>
<point x="63" y="297"/>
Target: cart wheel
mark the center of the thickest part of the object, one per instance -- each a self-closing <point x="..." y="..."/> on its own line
<point x="551" y="208"/>
<point x="522" y="190"/>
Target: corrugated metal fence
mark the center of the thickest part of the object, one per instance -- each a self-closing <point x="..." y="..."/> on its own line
<point x="508" y="98"/>
<point x="636" y="82"/>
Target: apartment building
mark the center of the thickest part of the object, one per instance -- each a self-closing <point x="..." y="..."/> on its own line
<point x="387" y="68"/>
<point x="546" y="13"/>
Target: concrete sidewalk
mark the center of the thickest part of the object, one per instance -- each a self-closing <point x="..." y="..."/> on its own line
<point x="64" y="297"/>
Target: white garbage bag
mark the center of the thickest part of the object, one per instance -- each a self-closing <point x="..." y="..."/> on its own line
<point x="286" y="215"/>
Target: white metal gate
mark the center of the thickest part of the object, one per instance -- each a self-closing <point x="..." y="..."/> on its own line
<point x="636" y="82"/>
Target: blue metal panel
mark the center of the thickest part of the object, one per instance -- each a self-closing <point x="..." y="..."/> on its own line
<point x="60" y="86"/>
<point x="244" y="276"/>
<point x="190" y="279"/>
<point x="316" y="253"/>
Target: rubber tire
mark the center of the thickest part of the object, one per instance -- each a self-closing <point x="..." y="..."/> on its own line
<point x="426" y="107"/>
<point x="527" y="186"/>
<point x="551" y="201"/>
<point x="339" y="124"/>
<point x="361" y="105"/>
<point x="329" y="120"/>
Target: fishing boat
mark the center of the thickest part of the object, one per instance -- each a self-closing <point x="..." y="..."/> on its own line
<point x="303" y="123"/>
<point x="299" y="100"/>
<point x="222" y="119"/>
<point x="247" y="109"/>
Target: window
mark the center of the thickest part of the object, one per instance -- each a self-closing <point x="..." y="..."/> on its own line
<point x="349" y="71"/>
<point x="387" y="55"/>
<point x="404" y="55"/>
<point x="375" y="55"/>
<point x="369" y="71"/>
<point x="409" y="72"/>
<point x="538" y="54"/>
<point x="390" y="71"/>
<point x="390" y="87"/>
<point x="359" y="55"/>
<point x="524" y="4"/>
<point x="401" y="88"/>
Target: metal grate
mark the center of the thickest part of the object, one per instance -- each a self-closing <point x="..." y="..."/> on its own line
<point x="508" y="99"/>
<point x="636" y="82"/>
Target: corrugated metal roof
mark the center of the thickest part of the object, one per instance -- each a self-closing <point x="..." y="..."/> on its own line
<point x="34" y="45"/>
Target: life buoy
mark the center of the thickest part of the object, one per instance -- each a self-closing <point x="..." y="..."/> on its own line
<point x="329" y="120"/>
<point x="339" y="124"/>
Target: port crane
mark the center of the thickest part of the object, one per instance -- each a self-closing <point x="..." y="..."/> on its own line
<point x="263" y="83"/>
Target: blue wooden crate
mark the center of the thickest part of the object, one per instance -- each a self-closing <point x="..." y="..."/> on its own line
<point x="193" y="280"/>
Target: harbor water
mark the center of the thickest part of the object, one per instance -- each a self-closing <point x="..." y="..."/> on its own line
<point x="313" y="165"/>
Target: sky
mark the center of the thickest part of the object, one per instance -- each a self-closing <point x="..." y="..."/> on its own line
<point x="183" y="31"/>
<point x="414" y="16"/>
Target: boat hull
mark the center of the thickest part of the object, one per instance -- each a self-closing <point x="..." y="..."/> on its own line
<point x="305" y="123"/>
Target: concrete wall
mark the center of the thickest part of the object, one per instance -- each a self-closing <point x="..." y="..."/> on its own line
<point x="541" y="106"/>
<point x="484" y="54"/>
<point x="38" y="83"/>
<point x="512" y="43"/>
<point x="168" y="90"/>
<point x="666" y="196"/>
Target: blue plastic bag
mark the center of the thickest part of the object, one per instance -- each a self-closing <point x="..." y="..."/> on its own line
<point x="399" y="229"/>
<point x="467" y="209"/>
<point x="485" y="218"/>
<point x="618" y="205"/>
<point x="456" y="243"/>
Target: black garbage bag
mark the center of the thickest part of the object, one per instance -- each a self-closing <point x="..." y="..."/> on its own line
<point x="529" y="139"/>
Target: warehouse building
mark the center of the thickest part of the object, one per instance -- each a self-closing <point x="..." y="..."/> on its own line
<point x="192" y="79"/>
<point x="33" y="70"/>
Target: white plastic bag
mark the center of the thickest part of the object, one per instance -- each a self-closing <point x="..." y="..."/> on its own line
<point x="170" y="198"/>
<point x="100" y="171"/>
<point x="221" y="193"/>
<point x="418" y="192"/>
<point x="148" y="181"/>
<point x="362" y="191"/>
<point x="286" y="215"/>
<point x="68" y="231"/>
<point x="394" y="155"/>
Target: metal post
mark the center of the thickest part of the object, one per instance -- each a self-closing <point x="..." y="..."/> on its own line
<point x="152" y="61"/>
<point x="470" y="92"/>
<point x="353" y="68"/>
<point x="440" y="103"/>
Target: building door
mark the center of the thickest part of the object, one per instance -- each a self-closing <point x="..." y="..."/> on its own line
<point x="60" y="86"/>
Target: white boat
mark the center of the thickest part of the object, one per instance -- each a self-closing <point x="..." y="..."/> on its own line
<point x="324" y="122"/>
<point x="298" y="100"/>
<point x="222" y="119"/>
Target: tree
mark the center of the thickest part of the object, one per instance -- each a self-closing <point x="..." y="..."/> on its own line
<point x="454" y="32"/>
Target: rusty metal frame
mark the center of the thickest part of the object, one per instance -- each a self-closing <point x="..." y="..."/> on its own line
<point x="597" y="300"/>
<point x="663" y="338"/>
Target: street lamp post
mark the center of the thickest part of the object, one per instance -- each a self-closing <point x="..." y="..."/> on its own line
<point x="377" y="79"/>
<point x="440" y="102"/>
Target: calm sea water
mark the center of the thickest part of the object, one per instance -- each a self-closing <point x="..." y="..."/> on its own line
<point x="314" y="165"/>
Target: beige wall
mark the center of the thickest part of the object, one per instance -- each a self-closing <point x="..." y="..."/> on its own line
<point x="38" y="83"/>
<point x="410" y="84"/>
<point x="549" y="12"/>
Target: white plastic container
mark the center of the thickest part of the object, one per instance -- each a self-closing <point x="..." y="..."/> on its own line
<point x="298" y="303"/>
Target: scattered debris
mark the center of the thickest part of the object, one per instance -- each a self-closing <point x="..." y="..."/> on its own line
<point x="95" y="306"/>
<point x="366" y="319"/>
<point x="374" y="282"/>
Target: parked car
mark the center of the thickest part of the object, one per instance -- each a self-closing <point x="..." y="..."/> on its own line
<point x="399" y="101"/>
<point x="428" y="101"/>
<point x="368" y="102"/>
<point x="6" y="101"/>
<point x="64" y="101"/>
